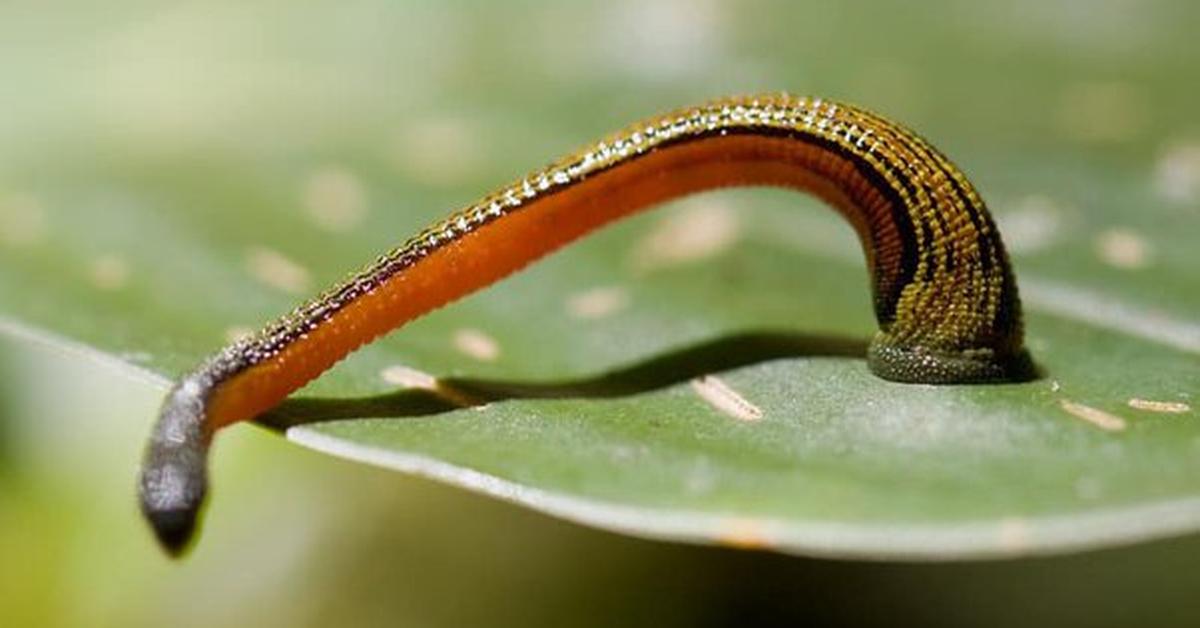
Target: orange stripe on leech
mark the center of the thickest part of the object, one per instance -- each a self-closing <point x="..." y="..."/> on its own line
<point x="458" y="268"/>
<point x="404" y="297"/>
<point x="506" y="245"/>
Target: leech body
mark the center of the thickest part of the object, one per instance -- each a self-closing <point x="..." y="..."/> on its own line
<point x="944" y="293"/>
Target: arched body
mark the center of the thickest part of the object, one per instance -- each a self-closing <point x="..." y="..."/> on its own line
<point x="944" y="292"/>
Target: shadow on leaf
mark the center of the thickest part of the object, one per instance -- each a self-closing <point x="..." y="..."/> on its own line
<point x="668" y="369"/>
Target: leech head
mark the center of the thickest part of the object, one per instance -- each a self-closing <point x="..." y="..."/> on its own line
<point x="174" y="478"/>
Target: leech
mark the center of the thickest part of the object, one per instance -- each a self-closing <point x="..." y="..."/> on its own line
<point x="944" y="293"/>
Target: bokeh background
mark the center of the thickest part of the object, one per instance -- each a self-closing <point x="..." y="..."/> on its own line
<point x="441" y="100"/>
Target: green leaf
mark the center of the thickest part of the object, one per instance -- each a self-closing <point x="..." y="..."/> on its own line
<point x="716" y="394"/>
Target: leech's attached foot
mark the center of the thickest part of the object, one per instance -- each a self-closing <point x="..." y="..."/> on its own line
<point x="921" y="365"/>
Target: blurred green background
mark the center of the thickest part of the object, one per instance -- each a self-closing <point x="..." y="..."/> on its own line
<point x="441" y="100"/>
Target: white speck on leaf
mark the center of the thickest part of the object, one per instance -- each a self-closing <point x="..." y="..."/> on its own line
<point x="276" y="270"/>
<point x="719" y="395"/>
<point x="476" y="344"/>
<point x="335" y="198"/>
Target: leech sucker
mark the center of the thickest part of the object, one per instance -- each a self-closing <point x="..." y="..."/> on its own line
<point x="944" y="292"/>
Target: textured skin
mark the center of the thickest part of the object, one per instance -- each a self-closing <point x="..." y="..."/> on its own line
<point x="944" y="293"/>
